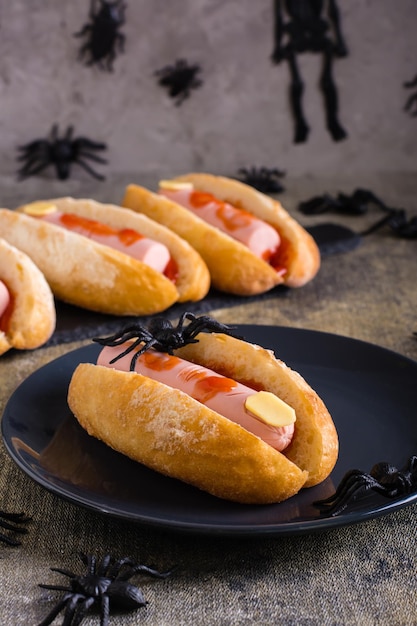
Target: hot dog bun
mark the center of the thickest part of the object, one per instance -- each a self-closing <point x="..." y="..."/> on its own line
<point x="96" y="277"/>
<point x="32" y="318"/>
<point x="233" y="267"/>
<point x="170" y="432"/>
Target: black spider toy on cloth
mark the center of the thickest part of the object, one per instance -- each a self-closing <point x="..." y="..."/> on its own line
<point x="357" y="204"/>
<point x="102" y="32"/>
<point x="104" y="584"/>
<point x="61" y="152"/>
<point x="308" y="31"/>
<point x="162" y="335"/>
<point x="383" y="478"/>
<point x="179" y="79"/>
<point x="411" y="103"/>
<point x="12" y="523"/>
<point x="263" y="179"/>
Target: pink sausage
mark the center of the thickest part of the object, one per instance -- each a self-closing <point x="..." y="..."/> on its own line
<point x="150" y="252"/>
<point x="261" y="238"/>
<point x="223" y="395"/>
<point x="4" y="298"/>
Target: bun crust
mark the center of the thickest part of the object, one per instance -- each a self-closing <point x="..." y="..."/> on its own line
<point x="233" y="267"/>
<point x="193" y="276"/>
<point x="85" y="273"/>
<point x="314" y="447"/>
<point x="33" y="317"/>
<point x="170" y="432"/>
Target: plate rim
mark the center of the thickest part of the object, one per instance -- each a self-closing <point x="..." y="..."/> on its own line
<point x="308" y="526"/>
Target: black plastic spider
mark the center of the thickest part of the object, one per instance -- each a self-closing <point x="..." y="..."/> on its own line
<point x="358" y="204"/>
<point x="103" y="34"/>
<point x="162" y="335"/>
<point x="263" y="179"/>
<point x="411" y="104"/>
<point x="355" y="204"/>
<point x="307" y="31"/>
<point x="103" y="584"/>
<point x="61" y="152"/>
<point x="11" y="522"/>
<point x="179" y="80"/>
<point x="383" y="478"/>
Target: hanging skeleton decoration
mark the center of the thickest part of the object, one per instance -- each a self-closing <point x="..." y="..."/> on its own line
<point x="308" y="31"/>
<point x="411" y="104"/>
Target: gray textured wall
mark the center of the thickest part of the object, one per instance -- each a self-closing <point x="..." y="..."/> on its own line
<point x="239" y="117"/>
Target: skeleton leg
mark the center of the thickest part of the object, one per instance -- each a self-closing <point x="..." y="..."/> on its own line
<point x="296" y="92"/>
<point x="330" y="99"/>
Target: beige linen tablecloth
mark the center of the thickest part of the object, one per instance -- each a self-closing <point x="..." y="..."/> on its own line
<point x="363" y="574"/>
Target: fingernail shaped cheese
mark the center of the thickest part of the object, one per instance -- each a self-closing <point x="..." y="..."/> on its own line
<point x="223" y="395"/>
<point x="270" y="409"/>
<point x="152" y="253"/>
<point x="261" y="238"/>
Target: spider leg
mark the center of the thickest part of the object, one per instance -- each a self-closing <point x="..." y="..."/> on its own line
<point x="185" y="316"/>
<point x="28" y="169"/>
<point x="204" y="324"/>
<point x="77" y="614"/>
<point x="90" y="562"/>
<point x="351" y="484"/>
<point x="10" y="542"/>
<point x="181" y="97"/>
<point x="410" y="103"/>
<point x="105" y="610"/>
<point x="126" y="333"/>
<point x="121" y="40"/>
<point x="85" y="49"/>
<point x="411" y="83"/>
<point x="77" y="607"/>
<point x="64" y="572"/>
<point x="85" y="29"/>
<point x="411" y="465"/>
<point x="92" y="156"/>
<point x="13" y="527"/>
<point x="116" y="567"/>
<point x="84" y="142"/>
<point x="19" y="518"/>
<point x="137" y="354"/>
<point x="104" y="565"/>
<point x="68" y="133"/>
<point x="33" y="157"/>
<point x="118" y="338"/>
<point x="55" y="611"/>
<point x="144" y="569"/>
<point x="89" y="169"/>
<point x="38" y="144"/>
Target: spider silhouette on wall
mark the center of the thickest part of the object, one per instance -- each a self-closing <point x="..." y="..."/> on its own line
<point x="61" y="152"/>
<point x="411" y="103"/>
<point x="179" y="79"/>
<point x="102" y="35"/>
<point x="308" y="31"/>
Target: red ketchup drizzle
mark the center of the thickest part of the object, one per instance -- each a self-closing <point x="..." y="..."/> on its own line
<point x="234" y="220"/>
<point x="159" y="361"/>
<point x="206" y="385"/>
<point x="232" y="217"/>
<point x="7" y="314"/>
<point x="127" y="236"/>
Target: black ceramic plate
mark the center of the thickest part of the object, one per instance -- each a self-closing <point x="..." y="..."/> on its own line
<point x="371" y="393"/>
